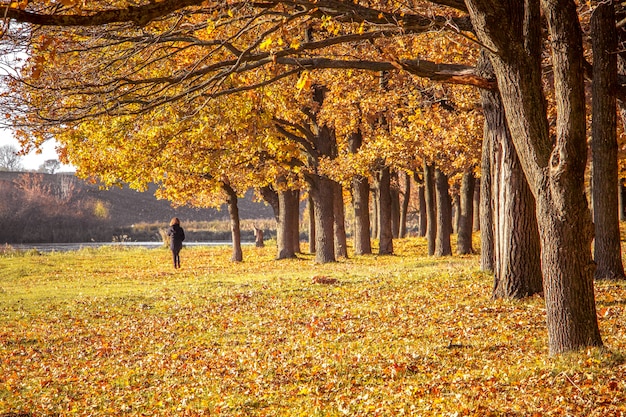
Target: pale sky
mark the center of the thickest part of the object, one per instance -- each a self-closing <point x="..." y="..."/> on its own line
<point x="33" y="161"/>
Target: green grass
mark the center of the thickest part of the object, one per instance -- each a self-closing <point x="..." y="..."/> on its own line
<point x="119" y="332"/>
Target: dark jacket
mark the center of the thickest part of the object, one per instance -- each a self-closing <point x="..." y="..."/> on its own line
<point x="177" y="235"/>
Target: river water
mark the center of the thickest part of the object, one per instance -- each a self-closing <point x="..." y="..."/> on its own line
<point x="63" y="247"/>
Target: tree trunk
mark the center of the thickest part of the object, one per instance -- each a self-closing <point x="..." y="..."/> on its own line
<point x="235" y="230"/>
<point x="466" y="215"/>
<point x="607" y="249"/>
<point x="404" y="208"/>
<point x="554" y="166"/>
<point x="322" y="192"/>
<point x="444" y="215"/>
<point x="284" y="235"/>
<point x="311" y="208"/>
<point x="295" y="221"/>
<point x="375" y="211"/>
<point x="476" y="210"/>
<point x="620" y="193"/>
<point x="421" y="197"/>
<point x="517" y="272"/>
<point x="456" y="212"/>
<point x="360" y="203"/>
<point x="621" y="69"/>
<point x="487" y="253"/>
<point x="394" y="195"/>
<point x="258" y="237"/>
<point x="515" y="239"/>
<point x="384" y="214"/>
<point x="341" y="244"/>
<point x="431" y="208"/>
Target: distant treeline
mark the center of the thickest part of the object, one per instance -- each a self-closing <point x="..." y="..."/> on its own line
<point x="45" y="208"/>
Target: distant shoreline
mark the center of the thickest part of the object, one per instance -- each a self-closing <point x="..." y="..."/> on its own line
<point x="67" y="247"/>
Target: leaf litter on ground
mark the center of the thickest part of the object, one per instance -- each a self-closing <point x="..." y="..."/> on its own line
<point x="117" y="332"/>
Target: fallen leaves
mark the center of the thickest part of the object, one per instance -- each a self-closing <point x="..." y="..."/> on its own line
<point x="400" y="336"/>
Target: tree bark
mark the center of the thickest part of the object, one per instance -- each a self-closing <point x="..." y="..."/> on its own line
<point x="515" y="237"/>
<point x="422" y="220"/>
<point x="311" y="208"/>
<point x="375" y="211"/>
<point x="607" y="248"/>
<point x="476" y="211"/>
<point x="517" y="271"/>
<point x="295" y="221"/>
<point x="466" y="215"/>
<point x="360" y="203"/>
<point x="554" y="167"/>
<point x="620" y="193"/>
<point x="284" y="235"/>
<point x="323" y="145"/>
<point x="341" y="244"/>
<point x="487" y="253"/>
<point x="384" y="213"/>
<point x="404" y="208"/>
<point x="235" y="229"/>
<point x="444" y="215"/>
<point x="394" y="195"/>
<point x="322" y="193"/>
<point x="431" y="208"/>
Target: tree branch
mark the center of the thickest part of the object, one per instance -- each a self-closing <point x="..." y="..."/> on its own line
<point x="140" y="15"/>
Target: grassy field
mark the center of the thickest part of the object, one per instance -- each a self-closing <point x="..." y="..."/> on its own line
<point x="114" y="332"/>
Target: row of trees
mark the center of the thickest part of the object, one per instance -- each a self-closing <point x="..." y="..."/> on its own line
<point x="209" y="99"/>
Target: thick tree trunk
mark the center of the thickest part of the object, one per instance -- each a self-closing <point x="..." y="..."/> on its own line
<point x="607" y="249"/>
<point x="554" y="167"/>
<point x="444" y="215"/>
<point x="295" y="221"/>
<point x="466" y="215"/>
<point x="620" y="193"/>
<point x="431" y="208"/>
<point x="517" y="271"/>
<point x="394" y="195"/>
<point x="487" y="253"/>
<point x="360" y="203"/>
<point x="322" y="192"/>
<point x="516" y="246"/>
<point x="341" y="243"/>
<point x="235" y="229"/>
<point x="311" y="208"/>
<point x="284" y="235"/>
<point x="476" y="211"/>
<point x="404" y="208"/>
<point x="384" y="214"/>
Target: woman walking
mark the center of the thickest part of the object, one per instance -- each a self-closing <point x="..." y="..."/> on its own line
<point x="177" y="235"/>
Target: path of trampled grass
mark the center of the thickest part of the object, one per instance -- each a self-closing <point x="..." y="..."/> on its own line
<point x="118" y="332"/>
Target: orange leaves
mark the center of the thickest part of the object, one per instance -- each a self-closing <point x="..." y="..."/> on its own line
<point x="394" y="336"/>
<point x="19" y="4"/>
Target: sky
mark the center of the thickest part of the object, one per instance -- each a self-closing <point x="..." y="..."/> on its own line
<point x="33" y="161"/>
